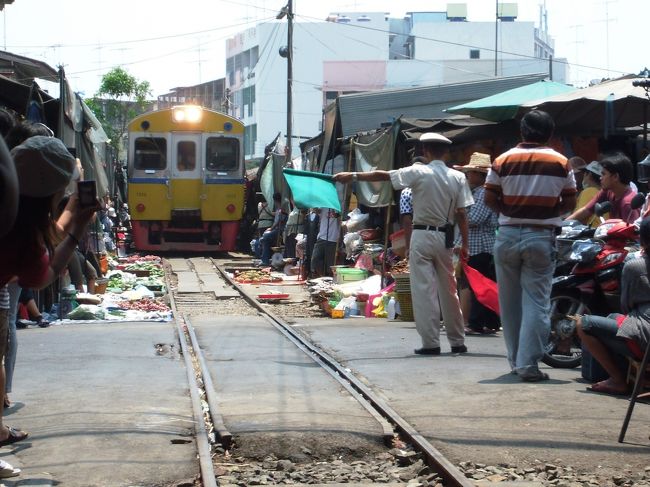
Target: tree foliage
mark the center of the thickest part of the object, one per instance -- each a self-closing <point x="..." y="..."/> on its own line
<point x="120" y="98"/>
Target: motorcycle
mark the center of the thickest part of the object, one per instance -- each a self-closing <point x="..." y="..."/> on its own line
<point x="592" y="286"/>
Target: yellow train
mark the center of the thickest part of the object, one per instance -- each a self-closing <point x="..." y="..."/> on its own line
<point x="186" y="185"/>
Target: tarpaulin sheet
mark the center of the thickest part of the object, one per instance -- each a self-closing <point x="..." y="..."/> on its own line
<point x="312" y="190"/>
<point x="375" y="154"/>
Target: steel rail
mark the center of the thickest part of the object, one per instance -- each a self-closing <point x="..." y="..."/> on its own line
<point x="434" y="458"/>
<point x="225" y="438"/>
<point x="206" y="466"/>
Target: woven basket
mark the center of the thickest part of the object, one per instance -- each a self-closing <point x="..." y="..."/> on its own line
<point x="405" y="305"/>
<point x="402" y="283"/>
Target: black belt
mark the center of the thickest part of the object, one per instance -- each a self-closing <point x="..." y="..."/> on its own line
<point x="429" y="227"/>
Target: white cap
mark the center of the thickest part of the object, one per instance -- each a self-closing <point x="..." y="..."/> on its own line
<point x="433" y="138"/>
<point x="595" y="167"/>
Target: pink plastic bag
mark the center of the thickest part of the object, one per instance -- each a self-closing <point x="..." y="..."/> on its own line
<point x="371" y="298"/>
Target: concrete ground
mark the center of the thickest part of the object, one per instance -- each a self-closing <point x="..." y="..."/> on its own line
<point x="105" y="404"/>
<point x="471" y="408"/>
<point x="274" y="398"/>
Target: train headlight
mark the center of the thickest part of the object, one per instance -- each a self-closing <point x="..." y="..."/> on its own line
<point x="230" y="208"/>
<point x="187" y="113"/>
<point x="140" y="207"/>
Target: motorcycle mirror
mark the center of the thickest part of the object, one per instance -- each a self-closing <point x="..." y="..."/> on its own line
<point x="637" y="201"/>
<point x="601" y="208"/>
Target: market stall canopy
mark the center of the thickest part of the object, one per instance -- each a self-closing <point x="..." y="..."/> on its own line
<point x="599" y="109"/>
<point x="23" y="69"/>
<point x="504" y="105"/>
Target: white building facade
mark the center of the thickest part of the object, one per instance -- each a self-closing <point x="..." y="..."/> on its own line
<point x="352" y="52"/>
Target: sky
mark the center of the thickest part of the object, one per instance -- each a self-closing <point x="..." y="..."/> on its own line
<point x="180" y="43"/>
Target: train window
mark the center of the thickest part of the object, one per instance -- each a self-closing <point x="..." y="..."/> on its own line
<point x="222" y="154"/>
<point x="186" y="155"/>
<point x="150" y="153"/>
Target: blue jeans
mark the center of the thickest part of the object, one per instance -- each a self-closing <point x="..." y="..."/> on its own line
<point x="12" y="346"/>
<point x="525" y="259"/>
<point x="268" y="240"/>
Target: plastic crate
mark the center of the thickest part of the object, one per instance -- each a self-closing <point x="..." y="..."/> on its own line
<point x="402" y="283"/>
<point x="405" y="305"/>
<point x="349" y="274"/>
<point x="398" y="243"/>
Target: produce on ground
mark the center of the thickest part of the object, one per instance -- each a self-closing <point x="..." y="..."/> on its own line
<point x="256" y="276"/>
<point x="144" y="304"/>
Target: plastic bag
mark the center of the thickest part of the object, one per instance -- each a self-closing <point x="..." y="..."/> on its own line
<point x="87" y="312"/>
<point x="352" y="242"/>
<point x="356" y="220"/>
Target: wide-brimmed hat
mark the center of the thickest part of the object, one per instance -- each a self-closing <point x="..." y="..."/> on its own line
<point x="577" y="164"/>
<point x="44" y="166"/>
<point x="434" y="138"/>
<point x="478" y="162"/>
<point x="595" y="167"/>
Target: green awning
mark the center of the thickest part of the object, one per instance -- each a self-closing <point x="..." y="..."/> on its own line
<point x="504" y="105"/>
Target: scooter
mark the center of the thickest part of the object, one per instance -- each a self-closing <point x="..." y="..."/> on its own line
<point x="592" y="286"/>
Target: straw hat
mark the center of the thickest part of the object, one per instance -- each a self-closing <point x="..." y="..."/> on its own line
<point x="434" y="138"/>
<point x="479" y="162"/>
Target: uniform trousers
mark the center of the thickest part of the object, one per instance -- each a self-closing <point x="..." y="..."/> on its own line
<point x="432" y="277"/>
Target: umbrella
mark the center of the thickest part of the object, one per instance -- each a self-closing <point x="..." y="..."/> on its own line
<point x="504" y="105"/>
<point x="598" y="109"/>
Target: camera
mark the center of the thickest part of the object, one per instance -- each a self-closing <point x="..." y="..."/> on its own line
<point x="87" y="191"/>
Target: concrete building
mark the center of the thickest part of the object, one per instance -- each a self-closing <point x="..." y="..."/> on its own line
<point x="357" y="52"/>
<point x="210" y="94"/>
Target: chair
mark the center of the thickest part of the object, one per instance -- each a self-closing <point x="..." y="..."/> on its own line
<point x="639" y="383"/>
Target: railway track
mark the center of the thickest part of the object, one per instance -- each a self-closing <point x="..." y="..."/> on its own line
<point x="211" y="427"/>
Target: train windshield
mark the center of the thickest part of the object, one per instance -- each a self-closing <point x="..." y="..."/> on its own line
<point x="186" y="157"/>
<point x="222" y="154"/>
<point x="150" y="153"/>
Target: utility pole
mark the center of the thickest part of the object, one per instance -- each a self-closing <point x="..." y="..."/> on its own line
<point x="288" y="53"/>
<point x="496" y="38"/>
<point x="289" y="76"/>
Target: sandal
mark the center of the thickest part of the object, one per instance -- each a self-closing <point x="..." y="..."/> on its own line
<point x="14" y="436"/>
<point x="605" y="387"/>
<point x="7" y="402"/>
<point x="7" y="470"/>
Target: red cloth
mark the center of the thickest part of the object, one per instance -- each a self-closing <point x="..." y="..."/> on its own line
<point x="631" y="344"/>
<point x="31" y="270"/>
<point x="485" y="289"/>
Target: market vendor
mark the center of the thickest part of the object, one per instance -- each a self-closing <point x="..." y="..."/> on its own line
<point x="482" y="223"/>
<point x="440" y="196"/>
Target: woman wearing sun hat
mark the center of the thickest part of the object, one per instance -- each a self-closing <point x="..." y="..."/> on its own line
<point x="482" y="233"/>
<point x="28" y="252"/>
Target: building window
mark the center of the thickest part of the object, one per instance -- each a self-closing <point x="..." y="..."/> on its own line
<point x="474" y="54"/>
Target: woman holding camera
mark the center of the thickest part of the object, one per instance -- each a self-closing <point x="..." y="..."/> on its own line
<point x="29" y="253"/>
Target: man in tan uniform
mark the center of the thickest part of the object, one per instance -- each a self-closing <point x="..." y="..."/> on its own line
<point x="440" y="196"/>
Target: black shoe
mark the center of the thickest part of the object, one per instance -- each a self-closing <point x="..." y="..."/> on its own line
<point x="459" y="349"/>
<point x="21" y="324"/>
<point x="427" y="351"/>
<point x="42" y="322"/>
<point x="538" y="377"/>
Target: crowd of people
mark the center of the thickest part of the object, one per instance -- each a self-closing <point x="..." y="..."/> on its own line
<point x="507" y="214"/>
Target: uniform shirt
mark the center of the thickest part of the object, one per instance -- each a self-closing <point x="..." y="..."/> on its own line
<point x="531" y="179"/>
<point x="437" y="191"/>
<point x="482" y="222"/>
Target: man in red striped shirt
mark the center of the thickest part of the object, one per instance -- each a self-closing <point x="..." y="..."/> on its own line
<point x="531" y="186"/>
